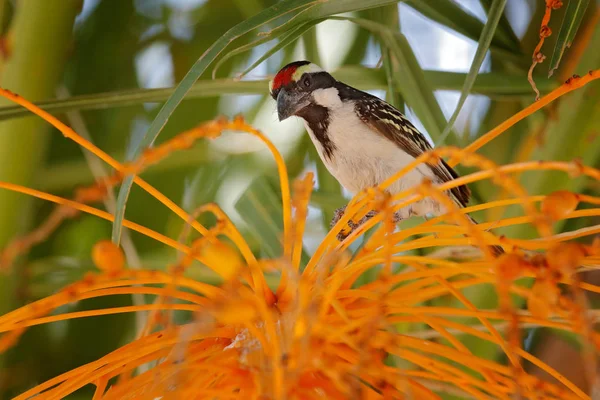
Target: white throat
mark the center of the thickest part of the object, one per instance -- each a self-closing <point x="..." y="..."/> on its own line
<point x="328" y="98"/>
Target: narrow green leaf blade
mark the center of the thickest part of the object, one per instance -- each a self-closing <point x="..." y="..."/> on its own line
<point x="502" y="86"/>
<point x="416" y="89"/>
<point x="311" y="47"/>
<point x="390" y="17"/>
<point x="568" y="30"/>
<point x="98" y="101"/>
<point x="291" y="37"/>
<point x="327" y="184"/>
<point x="240" y="50"/>
<point x="326" y="9"/>
<point x="453" y="16"/>
<point x="260" y="207"/>
<point x="505" y="28"/>
<point x="496" y="11"/>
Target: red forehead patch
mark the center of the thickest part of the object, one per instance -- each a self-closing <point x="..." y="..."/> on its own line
<point x="284" y="77"/>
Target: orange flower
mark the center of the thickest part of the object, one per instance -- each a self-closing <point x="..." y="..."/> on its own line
<point x="326" y="329"/>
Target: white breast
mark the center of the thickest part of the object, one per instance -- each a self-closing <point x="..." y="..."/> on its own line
<point x="362" y="158"/>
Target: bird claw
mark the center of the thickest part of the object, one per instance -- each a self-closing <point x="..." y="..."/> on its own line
<point x="367" y="217"/>
<point x="339" y="213"/>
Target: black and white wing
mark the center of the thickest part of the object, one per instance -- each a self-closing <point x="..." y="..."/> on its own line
<point x="386" y="120"/>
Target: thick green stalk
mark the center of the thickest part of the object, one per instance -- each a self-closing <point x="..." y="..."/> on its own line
<point x="39" y="37"/>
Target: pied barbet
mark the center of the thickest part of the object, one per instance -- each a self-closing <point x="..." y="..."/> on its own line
<point x="361" y="139"/>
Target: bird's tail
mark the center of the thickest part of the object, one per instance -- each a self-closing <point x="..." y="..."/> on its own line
<point x="495" y="249"/>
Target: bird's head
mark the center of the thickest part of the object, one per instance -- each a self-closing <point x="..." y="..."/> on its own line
<point x="295" y="85"/>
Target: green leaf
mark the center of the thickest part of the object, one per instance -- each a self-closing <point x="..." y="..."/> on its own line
<point x="358" y="50"/>
<point x="311" y="47"/>
<point x="291" y="37"/>
<point x="453" y="16"/>
<point x="321" y="11"/>
<point x="501" y="86"/>
<point x="260" y="207"/>
<point x="200" y="187"/>
<point x="242" y="49"/>
<point x="497" y="85"/>
<point x="393" y="94"/>
<point x="318" y="10"/>
<point x="328" y="8"/>
<point x="327" y="184"/>
<point x="249" y="7"/>
<point x="568" y="30"/>
<point x="505" y="29"/>
<point x="278" y="10"/>
<point x="322" y="198"/>
<point x="487" y="34"/>
<point x="204" y="88"/>
<point x="389" y="16"/>
<point x="49" y="275"/>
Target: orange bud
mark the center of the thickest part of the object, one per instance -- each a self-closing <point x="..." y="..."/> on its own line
<point x="565" y="257"/>
<point x="239" y="119"/>
<point x="558" y="204"/>
<point x="107" y="256"/>
<point x="222" y="256"/>
<point x="545" y="31"/>
<point x="509" y="266"/>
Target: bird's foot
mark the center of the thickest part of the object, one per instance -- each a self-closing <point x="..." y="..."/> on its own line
<point x="398" y="217"/>
<point x="344" y="233"/>
<point x="367" y="217"/>
<point x="337" y="215"/>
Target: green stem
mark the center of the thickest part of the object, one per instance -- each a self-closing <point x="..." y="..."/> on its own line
<point x="40" y="35"/>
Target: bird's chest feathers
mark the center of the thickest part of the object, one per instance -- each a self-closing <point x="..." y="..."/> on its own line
<point x="358" y="158"/>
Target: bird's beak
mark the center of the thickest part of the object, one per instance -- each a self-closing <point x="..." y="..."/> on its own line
<point x="289" y="103"/>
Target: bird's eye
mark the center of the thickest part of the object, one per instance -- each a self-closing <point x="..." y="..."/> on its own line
<point x="306" y="81"/>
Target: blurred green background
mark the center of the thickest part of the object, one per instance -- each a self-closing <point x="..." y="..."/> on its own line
<point x="116" y="62"/>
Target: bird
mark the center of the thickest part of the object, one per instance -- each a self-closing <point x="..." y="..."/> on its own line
<point x="361" y="139"/>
